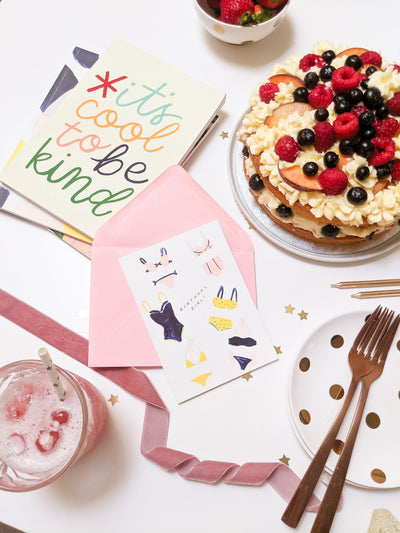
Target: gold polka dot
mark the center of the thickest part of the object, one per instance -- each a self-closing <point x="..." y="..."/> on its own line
<point x="378" y="476"/>
<point x="372" y="420"/>
<point x="336" y="392"/>
<point x="338" y="446"/>
<point x="219" y="29"/>
<point x="337" y="341"/>
<point x="398" y="345"/>
<point x="304" y="364"/>
<point x="304" y="416"/>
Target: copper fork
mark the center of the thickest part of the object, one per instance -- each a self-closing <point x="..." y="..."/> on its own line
<point x="359" y="367"/>
<point x="375" y="358"/>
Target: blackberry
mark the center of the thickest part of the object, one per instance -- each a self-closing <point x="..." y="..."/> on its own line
<point x="370" y="235"/>
<point x="365" y="148"/>
<point x="357" y="195"/>
<point x="326" y="72"/>
<point x="283" y="211"/>
<point x="300" y="94"/>
<point x="311" y="79"/>
<point x="353" y="61"/>
<point x="366" y="119"/>
<point x="255" y="182"/>
<point x="370" y="70"/>
<point x="373" y="98"/>
<point x="368" y="133"/>
<point x="330" y="231"/>
<point x="321" y="114"/>
<point x="245" y="151"/>
<point x="331" y="159"/>
<point x="310" y="168"/>
<point x="355" y="95"/>
<point x="382" y="171"/>
<point x="346" y="146"/>
<point x="328" y="56"/>
<point x="382" y="112"/>
<point x="362" y="173"/>
<point x="364" y="83"/>
<point x="306" y="137"/>
<point x="343" y="106"/>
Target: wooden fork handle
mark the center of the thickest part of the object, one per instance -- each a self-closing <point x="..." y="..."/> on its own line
<point x="295" y="509"/>
<point x="327" y="510"/>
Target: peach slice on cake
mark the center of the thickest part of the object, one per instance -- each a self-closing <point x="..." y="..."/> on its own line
<point x="379" y="186"/>
<point x="352" y="51"/>
<point x="295" y="177"/>
<point x="287" y="78"/>
<point x="285" y="110"/>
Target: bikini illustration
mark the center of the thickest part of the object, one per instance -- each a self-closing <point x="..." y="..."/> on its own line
<point x="193" y="355"/>
<point x="166" y="279"/>
<point x="166" y="318"/>
<point x="242" y="340"/>
<point x="202" y="379"/>
<point x="223" y="303"/>
<point x="213" y="266"/>
<point x="163" y="261"/>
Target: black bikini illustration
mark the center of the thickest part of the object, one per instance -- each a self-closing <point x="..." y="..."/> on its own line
<point x="213" y="266"/>
<point x="166" y="318"/>
<point x="166" y="279"/>
<point x="244" y="341"/>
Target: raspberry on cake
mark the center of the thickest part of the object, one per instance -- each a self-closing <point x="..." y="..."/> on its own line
<point x="322" y="144"/>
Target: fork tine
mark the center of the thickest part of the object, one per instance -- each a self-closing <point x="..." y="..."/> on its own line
<point x="387" y="340"/>
<point x="368" y="326"/>
<point x="379" y="330"/>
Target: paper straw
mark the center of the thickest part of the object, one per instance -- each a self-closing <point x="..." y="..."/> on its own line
<point x="366" y="283"/>
<point x="52" y="373"/>
<point x="376" y="294"/>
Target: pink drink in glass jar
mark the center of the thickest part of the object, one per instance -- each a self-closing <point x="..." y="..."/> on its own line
<point x="41" y="436"/>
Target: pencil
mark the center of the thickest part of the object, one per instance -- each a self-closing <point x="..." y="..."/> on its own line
<point x="376" y="294"/>
<point x="366" y="283"/>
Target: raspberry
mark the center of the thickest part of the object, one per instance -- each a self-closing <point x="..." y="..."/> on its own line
<point x="396" y="170"/>
<point x="320" y="96"/>
<point x="333" y="180"/>
<point x="267" y="92"/>
<point x="346" y="125"/>
<point x="287" y="149"/>
<point x="396" y="68"/>
<point x="394" y="105"/>
<point x="311" y="60"/>
<point x="324" y="136"/>
<point x="384" y="151"/>
<point x="357" y="110"/>
<point x="344" y="79"/>
<point x="371" y="58"/>
<point x="386" y="127"/>
<point x="232" y="10"/>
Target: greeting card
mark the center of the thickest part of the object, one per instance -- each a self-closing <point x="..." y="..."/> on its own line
<point x="198" y="311"/>
<point x="128" y="119"/>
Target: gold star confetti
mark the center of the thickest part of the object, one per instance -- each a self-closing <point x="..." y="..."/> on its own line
<point x="224" y="134"/>
<point x="250" y="225"/>
<point x="303" y="315"/>
<point x="289" y="309"/>
<point x="278" y="349"/>
<point x="113" y="399"/>
<point x="285" y="460"/>
<point x="247" y="376"/>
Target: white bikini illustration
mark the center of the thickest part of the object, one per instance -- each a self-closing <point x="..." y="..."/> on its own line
<point x="166" y="279"/>
<point x="193" y="354"/>
<point x="213" y="266"/>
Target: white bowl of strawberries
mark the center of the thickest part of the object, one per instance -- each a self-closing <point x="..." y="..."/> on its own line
<point x="240" y="21"/>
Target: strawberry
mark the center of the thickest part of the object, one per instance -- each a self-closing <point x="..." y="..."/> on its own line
<point x="272" y="4"/>
<point x="233" y="10"/>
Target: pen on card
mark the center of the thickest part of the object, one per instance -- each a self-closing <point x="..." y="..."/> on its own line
<point x="366" y="283"/>
<point x="376" y="294"/>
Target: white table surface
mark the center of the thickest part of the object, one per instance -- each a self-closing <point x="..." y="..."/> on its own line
<point x="115" y="488"/>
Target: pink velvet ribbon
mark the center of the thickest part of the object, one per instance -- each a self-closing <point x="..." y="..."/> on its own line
<point x="156" y="419"/>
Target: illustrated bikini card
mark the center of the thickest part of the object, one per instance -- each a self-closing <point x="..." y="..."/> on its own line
<point x="198" y="311"/>
<point x="128" y="119"/>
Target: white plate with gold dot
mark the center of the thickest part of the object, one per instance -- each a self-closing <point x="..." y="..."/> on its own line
<point x="318" y="382"/>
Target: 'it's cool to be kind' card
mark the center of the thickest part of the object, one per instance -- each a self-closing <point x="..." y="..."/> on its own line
<point x="128" y="119"/>
<point x="198" y="311"/>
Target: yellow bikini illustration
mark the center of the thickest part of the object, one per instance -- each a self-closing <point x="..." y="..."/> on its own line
<point x="193" y="354"/>
<point x="223" y="303"/>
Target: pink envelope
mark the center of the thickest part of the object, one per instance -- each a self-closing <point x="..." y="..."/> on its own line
<point x="172" y="204"/>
